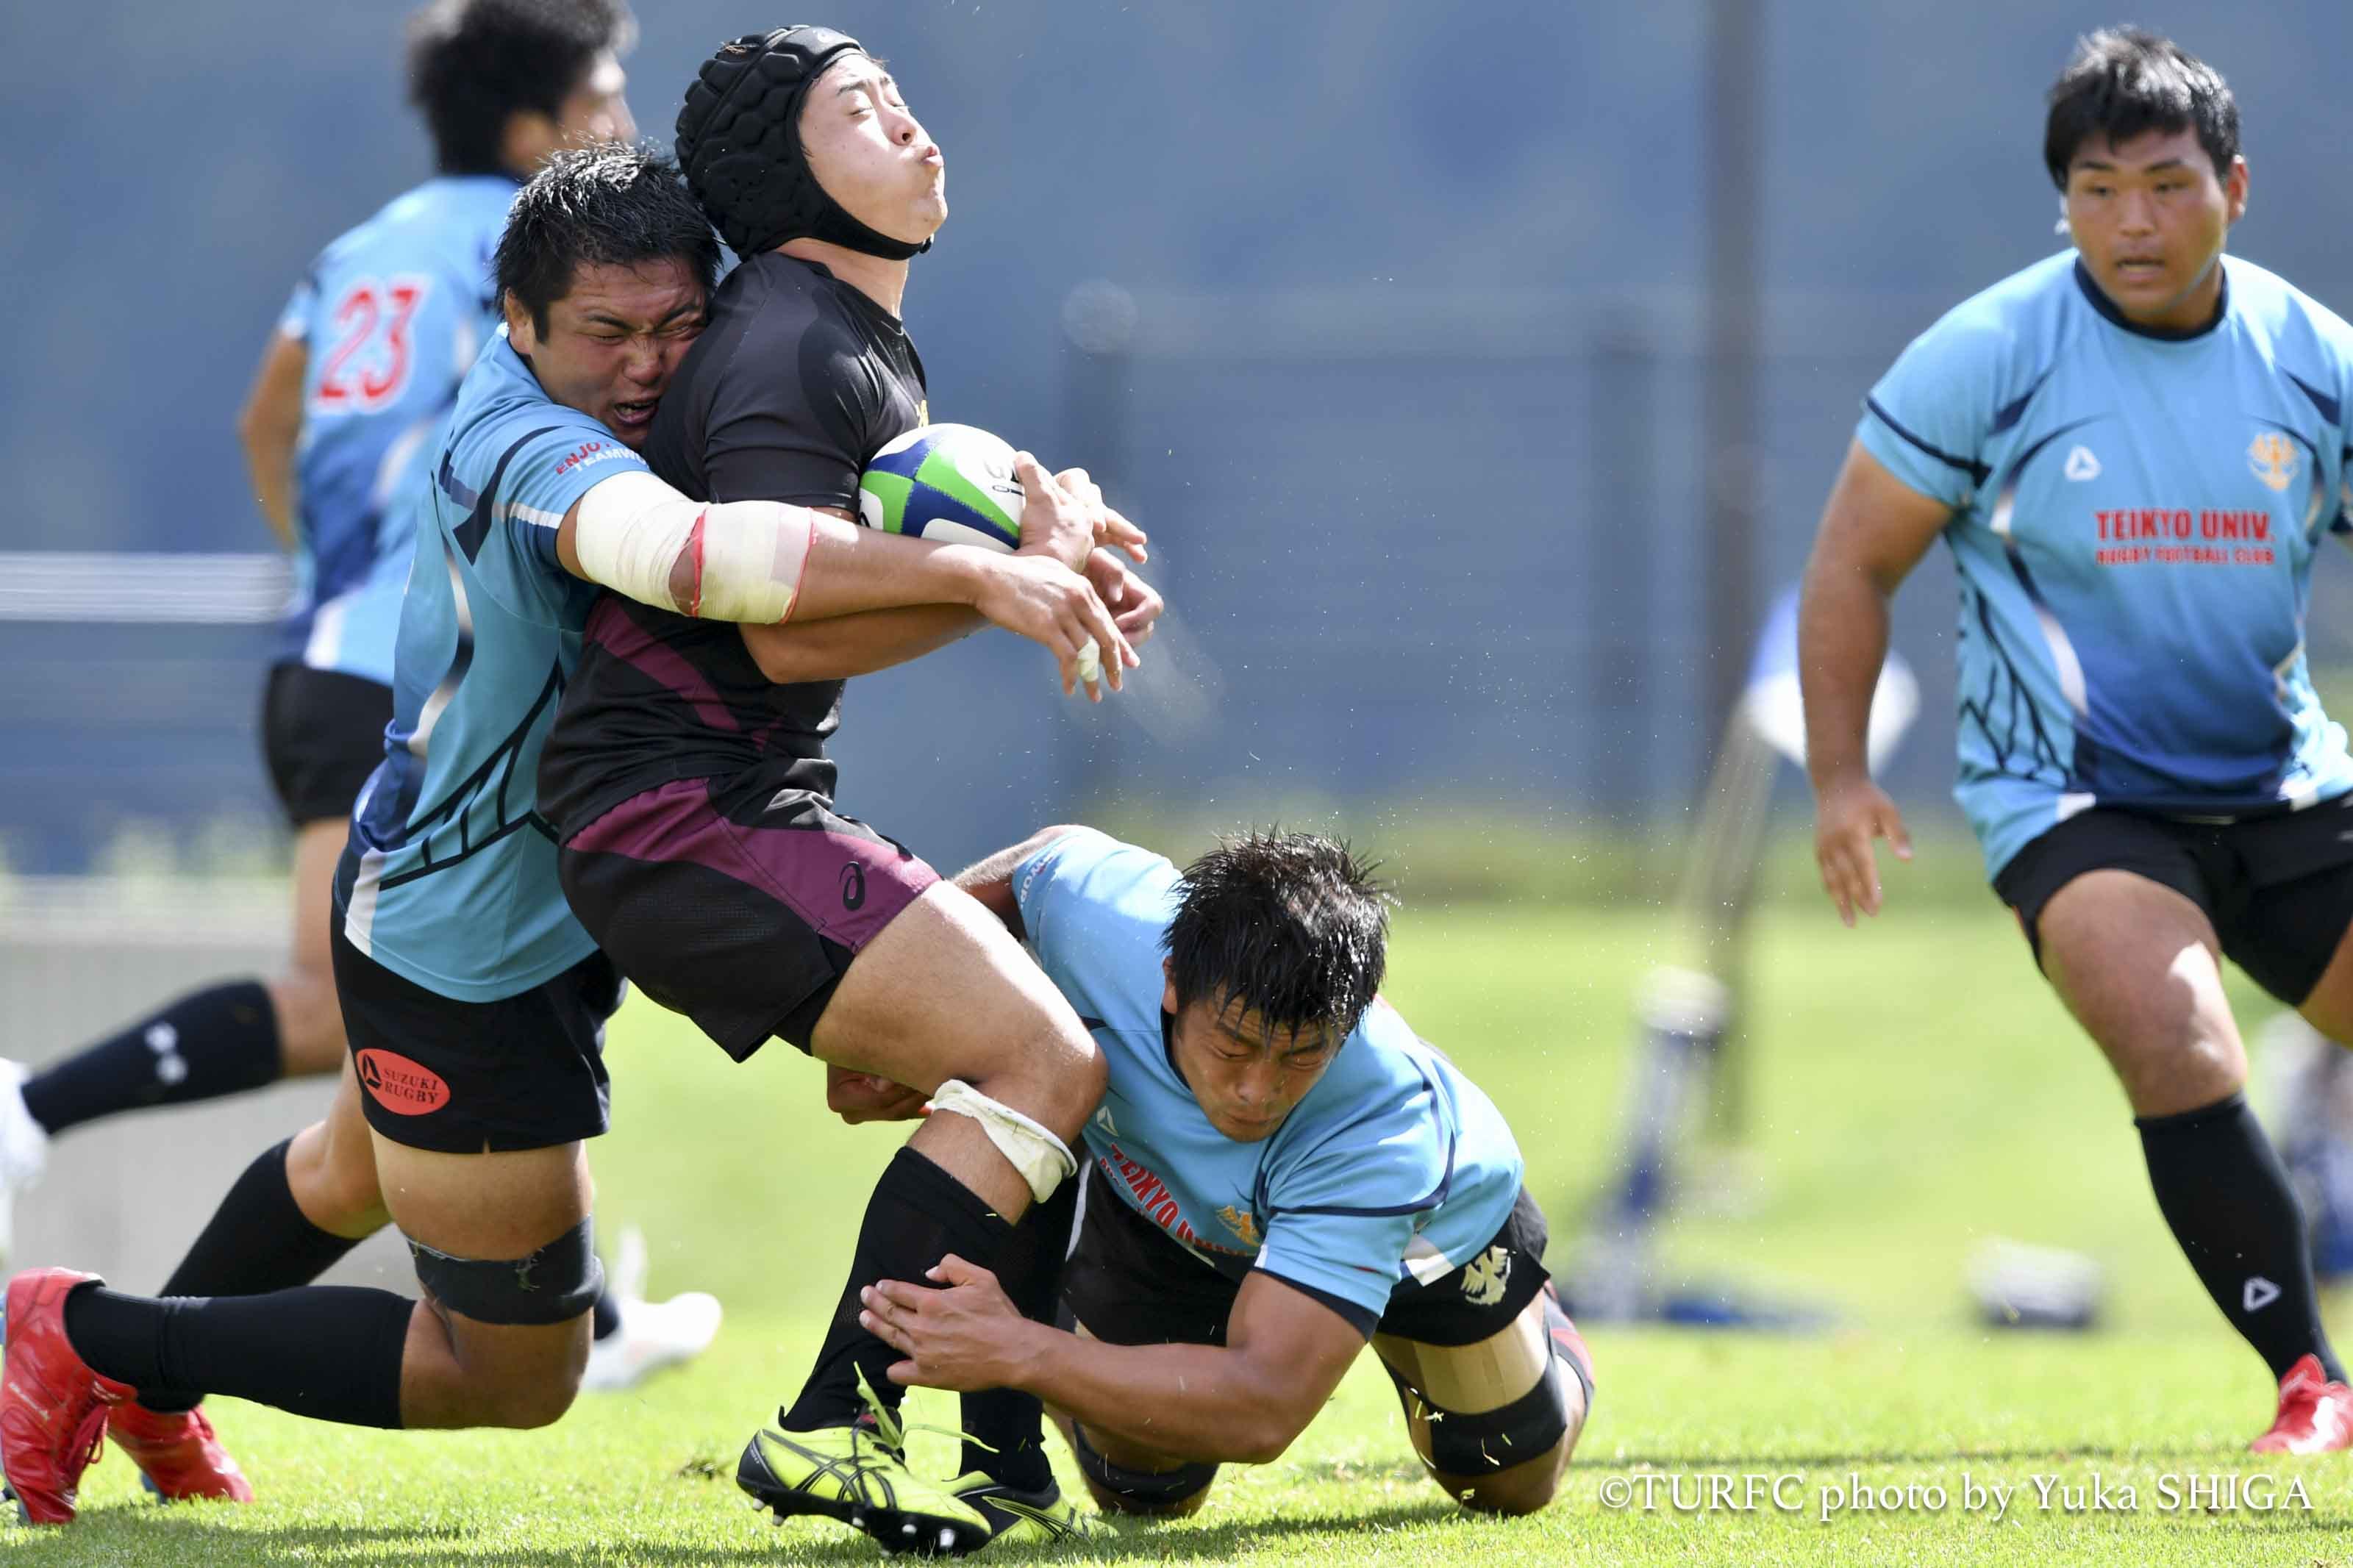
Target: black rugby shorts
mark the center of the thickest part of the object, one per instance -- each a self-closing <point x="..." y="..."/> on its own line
<point x="1128" y="1283"/>
<point x="739" y="905"/>
<point x="469" y="1078"/>
<point x="2277" y="888"/>
<point x="322" y="736"/>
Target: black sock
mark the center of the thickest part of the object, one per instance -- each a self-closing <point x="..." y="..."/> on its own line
<point x="331" y="1353"/>
<point x="207" y="1044"/>
<point x="918" y="1215"/>
<point x="258" y="1241"/>
<point x="1005" y="1429"/>
<point x="2222" y="1189"/>
<point x="606" y="1315"/>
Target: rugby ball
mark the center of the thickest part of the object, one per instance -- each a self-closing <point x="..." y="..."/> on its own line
<point x="949" y="483"/>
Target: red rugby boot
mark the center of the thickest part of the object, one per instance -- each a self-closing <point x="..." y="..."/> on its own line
<point x="178" y="1453"/>
<point x="2315" y="1415"/>
<point x="52" y="1407"/>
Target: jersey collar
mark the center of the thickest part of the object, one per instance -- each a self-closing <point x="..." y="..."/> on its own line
<point x="2107" y="308"/>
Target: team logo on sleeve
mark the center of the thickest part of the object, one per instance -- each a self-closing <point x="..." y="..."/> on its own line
<point x="1242" y="1224"/>
<point x="2273" y="457"/>
<point x="1483" y="1276"/>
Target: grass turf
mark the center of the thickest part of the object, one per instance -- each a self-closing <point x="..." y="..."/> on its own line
<point x="1913" y="1090"/>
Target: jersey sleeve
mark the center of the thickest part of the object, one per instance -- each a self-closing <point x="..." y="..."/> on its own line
<point x="294" y="321"/>
<point x="787" y="422"/>
<point x="549" y="466"/>
<point x="1927" y="420"/>
<point x="1344" y="1218"/>
<point x="1075" y="878"/>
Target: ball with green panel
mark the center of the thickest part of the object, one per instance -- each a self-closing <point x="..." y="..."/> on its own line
<point x="950" y="483"/>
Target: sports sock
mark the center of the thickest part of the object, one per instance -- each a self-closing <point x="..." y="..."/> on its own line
<point x="331" y="1353"/>
<point x="206" y="1045"/>
<point x="258" y="1241"/>
<point x="606" y="1316"/>
<point x="918" y="1215"/>
<point x="2222" y="1187"/>
<point x="1005" y="1429"/>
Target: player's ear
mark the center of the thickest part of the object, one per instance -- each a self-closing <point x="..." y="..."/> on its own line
<point x="519" y="323"/>
<point x="1167" y="989"/>
<point x="2234" y="190"/>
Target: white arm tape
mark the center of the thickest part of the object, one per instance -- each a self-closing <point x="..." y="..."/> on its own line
<point x="747" y="556"/>
<point x="1044" y="1160"/>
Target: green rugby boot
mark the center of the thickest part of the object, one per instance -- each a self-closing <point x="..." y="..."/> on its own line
<point x="1025" y="1518"/>
<point x="855" y="1475"/>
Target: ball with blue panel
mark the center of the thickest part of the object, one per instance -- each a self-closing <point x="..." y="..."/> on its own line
<point x="953" y="484"/>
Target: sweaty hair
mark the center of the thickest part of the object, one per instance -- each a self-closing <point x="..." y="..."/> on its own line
<point x="1291" y="925"/>
<point x="473" y="63"/>
<point x="611" y="204"/>
<point x="2123" y="81"/>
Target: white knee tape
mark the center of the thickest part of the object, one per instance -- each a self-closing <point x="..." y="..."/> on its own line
<point x="1044" y="1160"/>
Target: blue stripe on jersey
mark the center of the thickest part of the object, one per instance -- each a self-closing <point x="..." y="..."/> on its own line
<point x="2134" y="587"/>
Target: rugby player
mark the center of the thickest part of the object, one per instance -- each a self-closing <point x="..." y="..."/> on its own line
<point x="2133" y="450"/>
<point x="690" y="787"/>
<point x="473" y="1003"/>
<point x="1282" y="1170"/>
<point x="337" y="443"/>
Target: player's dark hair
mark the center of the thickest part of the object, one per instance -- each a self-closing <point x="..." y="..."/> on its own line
<point x="2126" y="81"/>
<point x="611" y="204"/>
<point x="1291" y="925"/>
<point x="473" y="63"/>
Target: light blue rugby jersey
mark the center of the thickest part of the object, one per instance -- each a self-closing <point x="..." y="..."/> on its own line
<point x="1393" y="1167"/>
<point x="2135" y="516"/>
<point x="392" y="315"/>
<point x="449" y="876"/>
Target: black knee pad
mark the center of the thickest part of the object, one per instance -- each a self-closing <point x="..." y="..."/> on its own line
<point x="553" y="1285"/>
<point x="1144" y="1489"/>
<point x="1499" y="1439"/>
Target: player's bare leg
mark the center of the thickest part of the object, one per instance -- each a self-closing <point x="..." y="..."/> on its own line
<point x="462" y="1371"/>
<point x="310" y="1022"/>
<point x="944" y="1000"/>
<point x="2138" y="965"/>
<point x="1489" y="1401"/>
<point x="946" y="992"/>
<point x="2330" y="1008"/>
<point x="1160" y="1485"/>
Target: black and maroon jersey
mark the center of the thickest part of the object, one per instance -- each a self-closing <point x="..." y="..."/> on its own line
<point x="798" y="379"/>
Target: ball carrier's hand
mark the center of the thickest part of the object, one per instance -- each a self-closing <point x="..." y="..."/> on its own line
<point x="1038" y="591"/>
<point x="1848" y="813"/>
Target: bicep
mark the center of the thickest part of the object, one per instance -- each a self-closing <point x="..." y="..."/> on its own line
<point x="1297" y="1345"/>
<point x="1875" y="523"/>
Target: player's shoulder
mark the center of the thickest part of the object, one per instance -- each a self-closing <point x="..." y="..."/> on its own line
<point x="503" y="410"/>
<point x="1389" y="1101"/>
<point x="2305" y="335"/>
<point x="449" y="221"/>
<point x="1085" y="877"/>
<point x="2025" y="313"/>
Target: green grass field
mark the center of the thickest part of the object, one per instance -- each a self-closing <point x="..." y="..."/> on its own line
<point x="1917" y="1091"/>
